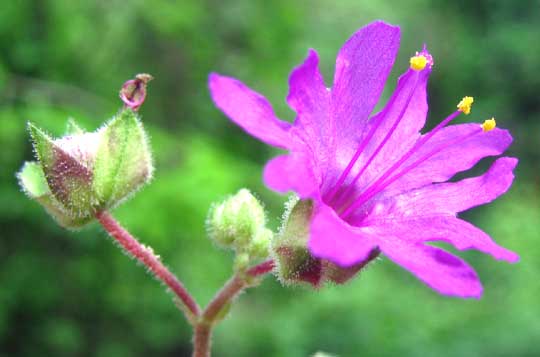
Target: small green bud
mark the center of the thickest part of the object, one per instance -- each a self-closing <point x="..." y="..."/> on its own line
<point x="82" y="173"/>
<point x="260" y="246"/>
<point x="217" y="227"/>
<point x="236" y="221"/>
<point x="241" y="261"/>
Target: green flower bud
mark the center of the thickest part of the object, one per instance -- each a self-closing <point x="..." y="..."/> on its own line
<point x="83" y="173"/>
<point x="236" y="221"/>
<point x="241" y="261"/>
<point x="260" y="246"/>
<point x="295" y="264"/>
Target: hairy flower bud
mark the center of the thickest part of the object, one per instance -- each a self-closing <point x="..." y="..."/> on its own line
<point x="295" y="263"/>
<point x="238" y="223"/>
<point x="82" y="173"/>
<point x="235" y="221"/>
<point x="260" y="244"/>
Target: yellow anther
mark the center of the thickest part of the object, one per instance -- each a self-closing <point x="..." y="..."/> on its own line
<point x="489" y="124"/>
<point x="418" y="62"/>
<point x="465" y="105"/>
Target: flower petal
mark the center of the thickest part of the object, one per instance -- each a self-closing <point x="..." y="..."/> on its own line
<point x="309" y="98"/>
<point x="461" y="234"/>
<point x="292" y="172"/>
<point x="452" y="197"/>
<point x="439" y="269"/>
<point x="452" y="159"/>
<point x="397" y="127"/>
<point x="362" y="66"/>
<point x="333" y="239"/>
<point x="428" y="213"/>
<point x="249" y="110"/>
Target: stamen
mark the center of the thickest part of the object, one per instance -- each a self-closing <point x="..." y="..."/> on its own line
<point x="374" y="187"/>
<point x="418" y="62"/>
<point x="489" y="124"/>
<point x="380" y="146"/>
<point x="465" y="105"/>
<point x="360" y="149"/>
<point x="408" y="169"/>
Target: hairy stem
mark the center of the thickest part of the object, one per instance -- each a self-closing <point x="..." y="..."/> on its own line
<point x="240" y="281"/>
<point x="261" y="269"/>
<point x="147" y="257"/>
<point x="201" y="340"/>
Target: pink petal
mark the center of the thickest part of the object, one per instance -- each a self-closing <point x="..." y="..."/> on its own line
<point x="451" y="197"/>
<point x="440" y="270"/>
<point x="461" y="234"/>
<point x="292" y="172"/>
<point x="454" y="158"/>
<point x="249" y="110"/>
<point x="428" y="213"/>
<point x="333" y="239"/>
<point x="309" y="98"/>
<point x="362" y="66"/>
<point x="401" y="121"/>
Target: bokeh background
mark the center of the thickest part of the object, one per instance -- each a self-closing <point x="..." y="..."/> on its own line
<point x="68" y="293"/>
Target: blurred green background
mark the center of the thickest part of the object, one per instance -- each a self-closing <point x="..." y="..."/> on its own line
<point x="74" y="294"/>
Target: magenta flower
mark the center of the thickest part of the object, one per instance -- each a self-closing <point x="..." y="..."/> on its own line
<point x="377" y="182"/>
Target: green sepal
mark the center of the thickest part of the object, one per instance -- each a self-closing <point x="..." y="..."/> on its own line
<point x="72" y="128"/>
<point x="295" y="263"/>
<point x="123" y="161"/>
<point x="32" y="180"/>
<point x="295" y="229"/>
<point x="69" y="181"/>
<point x="54" y="208"/>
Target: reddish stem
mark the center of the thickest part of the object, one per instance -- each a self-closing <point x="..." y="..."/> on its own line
<point x="262" y="268"/>
<point x="146" y="256"/>
<point x="202" y="340"/>
<point x="203" y="329"/>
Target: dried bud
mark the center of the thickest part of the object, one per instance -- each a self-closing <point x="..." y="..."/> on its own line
<point x="295" y="263"/>
<point x="133" y="92"/>
<point x="82" y="173"/>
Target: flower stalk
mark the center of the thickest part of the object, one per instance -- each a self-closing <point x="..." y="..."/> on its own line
<point x="147" y="257"/>
<point x="202" y="321"/>
<point x="215" y="309"/>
